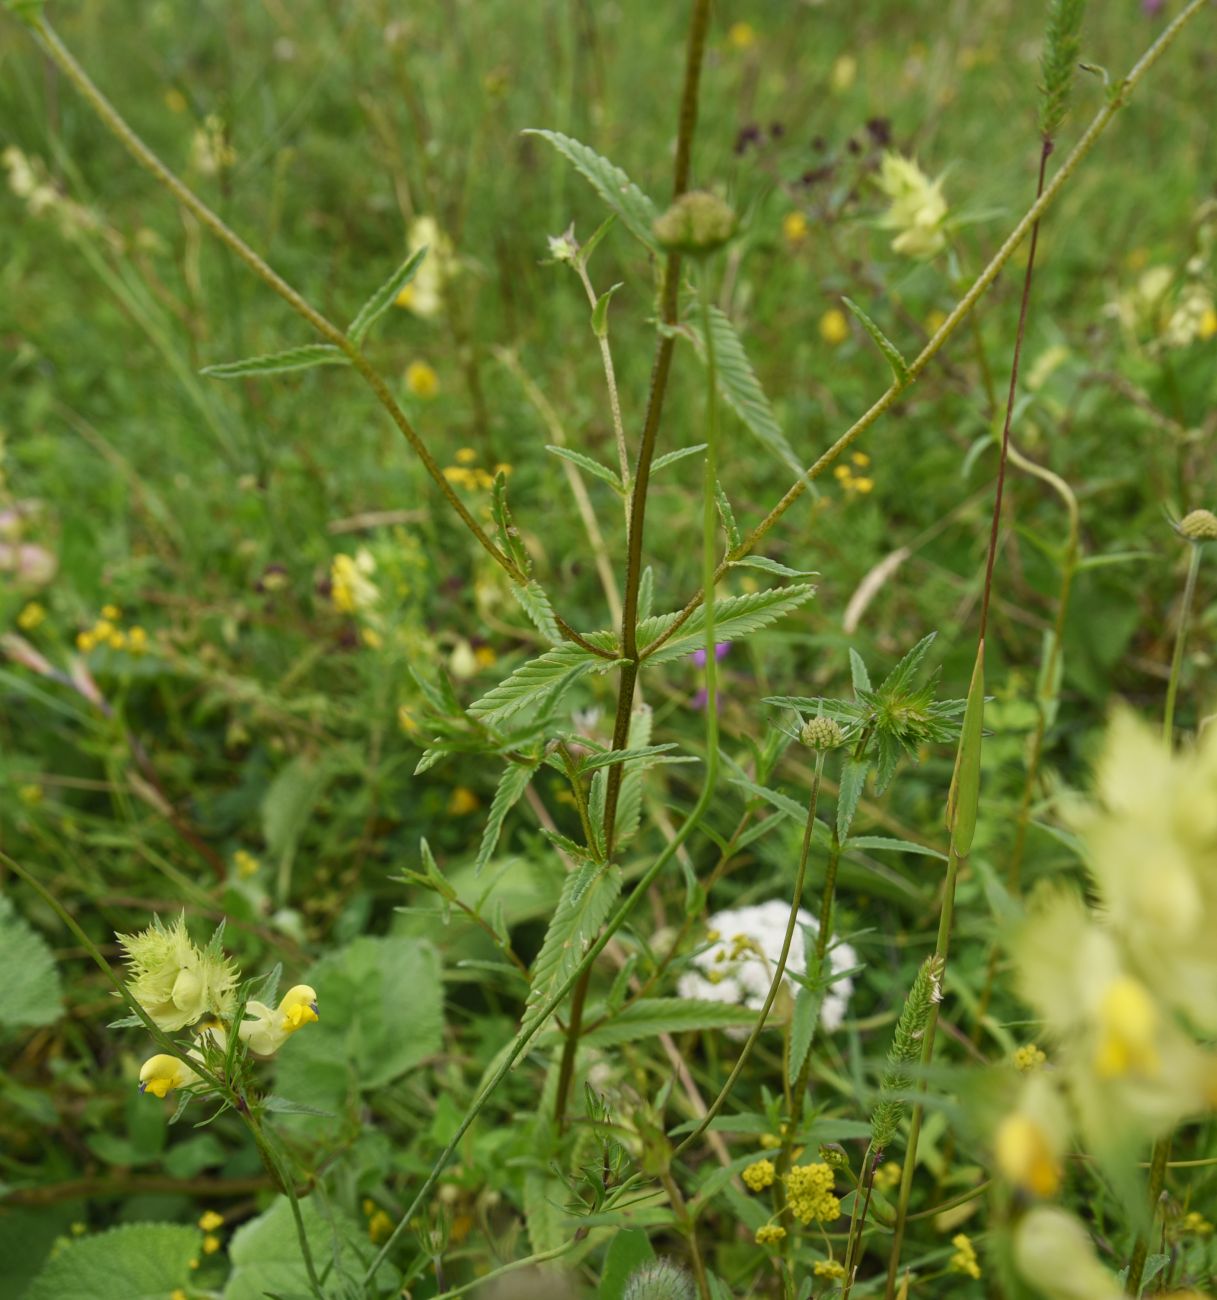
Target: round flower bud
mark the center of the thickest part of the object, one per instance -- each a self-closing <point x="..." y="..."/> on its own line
<point x="697" y="223"/>
<point x="821" y="733"/>
<point x="1199" y="526"/>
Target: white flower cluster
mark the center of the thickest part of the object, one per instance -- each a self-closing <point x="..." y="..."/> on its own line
<point x="738" y="965"/>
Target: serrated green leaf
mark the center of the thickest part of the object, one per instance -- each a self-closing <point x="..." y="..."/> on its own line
<point x="646" y="593"/>
<point x="534" y="602"/>
<point x="629" y="801"/>
<point x="511" y="787"/>
<point x="671" y="457"/>
<point x="139" y="1261"/>
<point x="273" y="363"/>
<point x="532" y="682"/>
<point x="803" y="1020"/>
<point x="741" y="389"/>
<point x="509" y="534"/>
<point x="858" y="674"/>
<point x="637" y="212"/>
<point x="588" y="895"/>
<point x="586" y="462"/>
<point x="772" y="566"/>
<point x="384" y="297"/>
<point x="28" y="974"/>
<point x="853" y="778"/>
<point x="727" y="515"/>
<point x="900" y="369"/>
<point x="650" y="1016"/>
<point x="600" y="311"/>
<point x="734" y="617"/>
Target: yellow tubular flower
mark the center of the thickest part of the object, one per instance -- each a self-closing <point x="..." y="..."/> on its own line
<point x="175" y="982"/>
<point x="1128" y="1021"/>
<point x="270" y="1029"/>
<point x="160" y="1075"/>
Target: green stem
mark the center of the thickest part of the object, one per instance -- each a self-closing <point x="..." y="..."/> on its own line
<point x="1157" y="1181"/>
<point x="1172" y="687"/>
<point x="1118" y="97"/>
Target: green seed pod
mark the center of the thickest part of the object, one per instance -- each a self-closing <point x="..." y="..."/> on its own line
<point x="661" y="1281"/>
<point x="1199" y="526"/>
<point x="821" y="733"/>
<point x="834" y="1155"/>
<point x="696" y="224"/>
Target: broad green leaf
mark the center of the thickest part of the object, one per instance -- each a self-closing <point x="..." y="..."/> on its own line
<point x="555" y="670"/>
<point x="302" y="358"/>
<point x="586" y="462"/>
<point x="381" y="1007"/>
<point x="600" y="311"/>
<point x="28" y="974"/>
<point x="588" y="895"/>
<point x="900" y="370"/>
<point x="139" y="1261"/>
<point x="964" y="798"/>
<point x="511" y="787"/>
<point x="534" y="602"/>
<point x="637" y="212"/>
<point x="741" y="389"/>
<point x="671" y="457"/>
<point x="628" y="1251"/>
<point x="734" y="618"/>
<point x="651" y="1016"/>
<point x="384" y="297"/>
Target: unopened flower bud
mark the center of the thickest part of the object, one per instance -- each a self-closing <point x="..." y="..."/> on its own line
<point x="821" y="733"/>
<point x="1199" y="526"/>
<point x="697" y="223"/>
<point x="834" y="1155"/>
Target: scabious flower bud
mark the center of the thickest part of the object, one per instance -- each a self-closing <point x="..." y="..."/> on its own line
<point x="1199" y="526"/>
<point x="270" y="1029"/>
<point x="175" y="982"/>
<point x="821" y="733"/>
<point x="660" y="1281"/>
<point x="696" y="224"/>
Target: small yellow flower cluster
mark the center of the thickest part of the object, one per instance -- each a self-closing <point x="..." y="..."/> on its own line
<point x="741" y="36"/>
<point x="1195" y="1222"/>
<point x="424" y="295"/>
<point x="380" y="1225"/>
<point x="107" y="632"/>
<point x="351" y="587"/>
<point x="209" y="1221"/>
<point x="829" y="1268"/>
<point x="463" y="801"/>
<point x="245" y="863"/>
<point x="759" y="1175"/>
<point x="834" y="327"/>
<point x="887" y="1176"/>
<point x="32" y="616"/>
<point x="465" y="473"/>
<point x="421" y="380"/>
<point x="770" y="1234"/>
<point x="794" y="227"/>
<point x="809" y="1193"/>
<point x="1028" y="1058"/>
<point x="855" y="483"/>
<point x="964" y="1259"/>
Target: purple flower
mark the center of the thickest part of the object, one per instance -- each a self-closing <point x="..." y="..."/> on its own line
<point x="720" y="650"/>
<point x="1152" y="8"/>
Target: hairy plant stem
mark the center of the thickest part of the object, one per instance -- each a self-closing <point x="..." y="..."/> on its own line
<point x="688" y="1227"/>
<point x="1117" y="97"/>
<point x="695" y="53"/>
<point x="1157" y="1181"/>
<point x="1185" y="615"/>
<point x="779" y="969"/>
<point x="117" y="125"/>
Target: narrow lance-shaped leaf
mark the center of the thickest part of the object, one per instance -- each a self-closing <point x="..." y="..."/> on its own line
<point x="900" y="370"/>
<point x="511" y="787"/>
<point x="671" y="457"/>
<point x="273" y="363"/>
<point x="964" y="799"/>
<point x="584" y="461"/>
<point x="727" y="515"/>
<point x="600" y="311"/>
<point x="636" y="210"/>
<point x="385" y="296"/>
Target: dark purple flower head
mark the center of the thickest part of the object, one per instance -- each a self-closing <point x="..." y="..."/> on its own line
<point x="720" y="650"/>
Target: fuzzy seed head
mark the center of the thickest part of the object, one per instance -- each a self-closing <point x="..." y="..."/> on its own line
<point x="821" y="734"/>
<point x="696" y="224"/>
<point x="1199" y="526"/>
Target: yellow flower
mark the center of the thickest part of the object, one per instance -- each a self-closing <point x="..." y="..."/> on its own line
<point x="829" y="1268"/>
<point x="32" y="616"/>
<point x="175" y="982"/>
<point x="371" y="638"/>
<point x="1195" y="1222"/>
<point x="111" y="612"/>
<point x="406" y="720"/>
<point x="809" y="1193"/>
<point x="209" y="1221"/>
<point x="863" y="485"/>
<point x="30" y="795"/>
<point x="964" y="1259"/>
<point x="1025" y="1155"/>
<point x="86" y="641"/>
<point x="861" y="459"/>
<point x="834" y="327"/>
<point x="916" y="210"/>
<point x="1029" y="1058"/>
<point x="117" y="639"/>
<point x="466" y="456"/>
<point x="1208" y="324"/>
<point x="1053" y="1252"/>
<point x="422" y="380"/>
<point x="161" y="1074"/>
<point x="178" y="1294"/>
<point x="424" y="294"/>
<point x="268" y="1030"/>
<point x="1128" y="1022"/>
<point x="770" y="1234"/>
<point x="351" y="586"/>
<point x="741" y="36"/>
<point x="794" y="227"/>
<point x="246" y="864"/>
<point x="380" y="1226"/>
<point x="463" y="801"/>
<point x="137" y="640"/>
<point x="211" y="1243"/>
<point x="887" y="1176"/>
<point x="759" y="1175"/>
<point x="485" y="656"/>
<point x="844" y="72"/>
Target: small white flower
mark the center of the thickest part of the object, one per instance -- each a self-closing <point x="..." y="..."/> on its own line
<point x="738" y="966"/>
